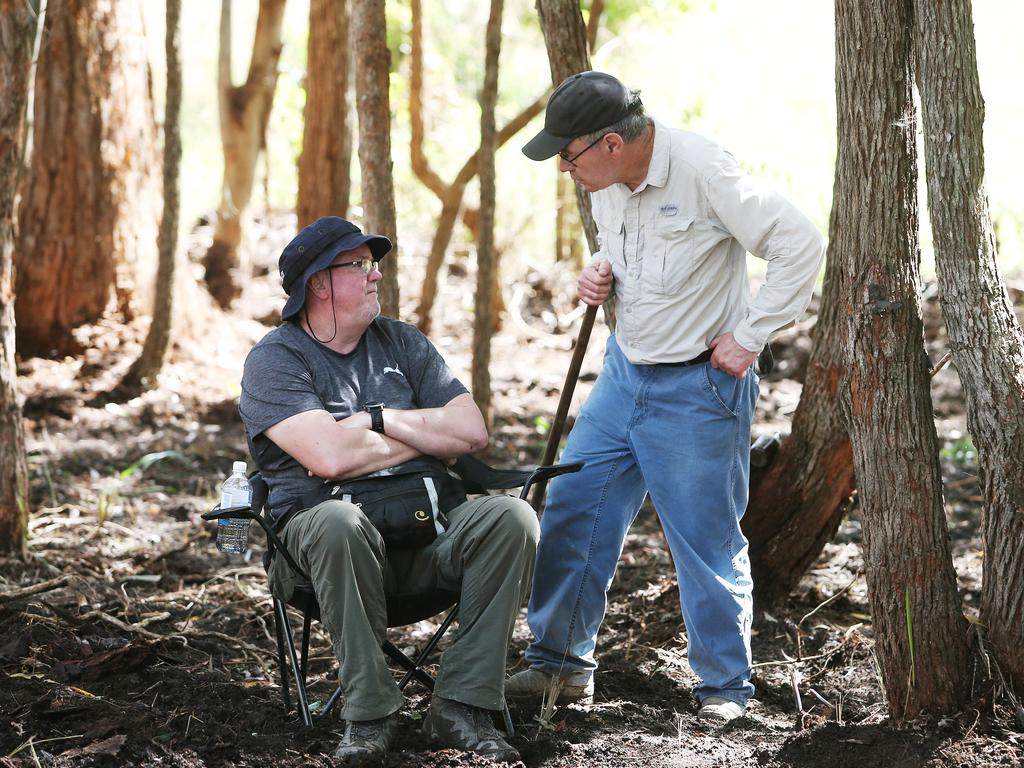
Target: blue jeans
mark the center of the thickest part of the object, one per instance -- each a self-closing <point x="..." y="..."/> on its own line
<point x="682" y="434"/>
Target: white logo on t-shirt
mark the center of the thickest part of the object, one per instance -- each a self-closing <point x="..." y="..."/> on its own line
<point x="389" y="369"/>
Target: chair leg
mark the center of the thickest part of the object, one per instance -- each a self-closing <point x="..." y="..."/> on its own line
<point x="414" y="666"/>
<point x="330" y="704"/>
<point x="279" y="633"/>
<point x="509" y="729"/>
<point x="306" y="620"/>
<point x="300" y="682"/>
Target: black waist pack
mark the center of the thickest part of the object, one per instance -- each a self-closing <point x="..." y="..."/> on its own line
<point x="409" y="509"/>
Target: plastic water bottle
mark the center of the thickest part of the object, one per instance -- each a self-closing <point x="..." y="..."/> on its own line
<point x="233" y="533"/>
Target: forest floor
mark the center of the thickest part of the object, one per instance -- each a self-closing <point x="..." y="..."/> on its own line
<point x="144" y="646"/>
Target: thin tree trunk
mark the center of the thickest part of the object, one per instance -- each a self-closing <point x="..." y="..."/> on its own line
<point x="486" y="256"/>
<point x="565" y="37"/>
<point x="88" y="219"/>
<point x="17" y="35"/>
<point x="244" y="112"/>
<point x="984" y="335"/>
<point x="451" y="194"/>
<point x="144" y="371"/>
<point x="920" y="632"/>
<point x="373" y="105"/>
<point x="325" y="162"/>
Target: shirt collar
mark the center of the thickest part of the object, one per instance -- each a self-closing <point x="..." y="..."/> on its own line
<point x="657" y="169"/>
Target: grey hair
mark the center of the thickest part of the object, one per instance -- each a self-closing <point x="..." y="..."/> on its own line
<point x="631" y="127"/>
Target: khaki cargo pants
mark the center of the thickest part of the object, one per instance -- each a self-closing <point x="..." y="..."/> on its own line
<point x="487" y="553"/>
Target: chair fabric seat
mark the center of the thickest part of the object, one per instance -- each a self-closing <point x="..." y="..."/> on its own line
<point x="402" y="609"/>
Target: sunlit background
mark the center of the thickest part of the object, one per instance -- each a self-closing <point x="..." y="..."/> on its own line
<point x="755" y="75"/>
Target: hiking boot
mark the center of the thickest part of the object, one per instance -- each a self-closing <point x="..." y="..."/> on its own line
<point x="532" y="685"/>
<point x="462" y="726"/>
<point x="367" y="738"/>
<point x="721" y="709"/>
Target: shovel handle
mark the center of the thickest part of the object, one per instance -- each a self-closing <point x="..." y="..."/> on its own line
<point x="555" y="435"/>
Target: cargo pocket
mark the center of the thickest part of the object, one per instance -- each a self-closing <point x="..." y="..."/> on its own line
<point x="671" y="259"/>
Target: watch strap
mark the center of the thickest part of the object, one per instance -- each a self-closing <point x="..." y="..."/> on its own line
<point x="376" y="411"/>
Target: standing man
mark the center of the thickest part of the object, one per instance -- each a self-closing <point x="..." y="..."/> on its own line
<point x="336" y="391"/>
<point x="670" y="413"/>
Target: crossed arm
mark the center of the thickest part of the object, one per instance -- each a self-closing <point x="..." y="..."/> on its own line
<point x="350" y="448"/>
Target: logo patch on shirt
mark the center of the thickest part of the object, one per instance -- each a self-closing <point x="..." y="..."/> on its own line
<point x="669" y="209"/>
<point x="389" y="369"/>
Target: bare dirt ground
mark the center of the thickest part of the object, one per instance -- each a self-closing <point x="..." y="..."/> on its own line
<point x="149" y="648"/>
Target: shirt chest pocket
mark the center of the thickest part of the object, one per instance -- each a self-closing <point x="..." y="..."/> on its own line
<point x="671" y="255"/>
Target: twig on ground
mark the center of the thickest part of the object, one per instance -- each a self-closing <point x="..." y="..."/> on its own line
<point x="30" y="744"/>
<point x="35" y="589"/>
<point x="836" y="596"/>
<point x="130" y="628"/>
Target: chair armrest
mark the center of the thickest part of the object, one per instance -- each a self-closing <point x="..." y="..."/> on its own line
<point x="219" y="513"/>
<point x="273" y="540"/>
<point x="545" y="473"/>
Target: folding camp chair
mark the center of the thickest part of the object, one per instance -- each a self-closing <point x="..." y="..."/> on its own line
<point x="477" y="478"/>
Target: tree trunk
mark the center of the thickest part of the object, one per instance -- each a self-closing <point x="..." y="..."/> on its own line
<point x="244" y="112"/>
<point x="565" y="37"/>
<point x="17" y="35"/>
<point x="451" y="194"/>
<point x="325" y="162"/>
<point x="373" y="105"/>
<point x="984" y="335"/>
<point x="920" y="632"/>
<point x="486" y="256"/>
<point x="88" y="219"/>
<point x="145" y="369"/>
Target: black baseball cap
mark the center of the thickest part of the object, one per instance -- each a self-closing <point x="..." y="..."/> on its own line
<point x="584" y="103"/>
<point x="314" y="248"/>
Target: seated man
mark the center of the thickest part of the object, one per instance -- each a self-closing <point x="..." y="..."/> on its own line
<point x="311" y="403"/>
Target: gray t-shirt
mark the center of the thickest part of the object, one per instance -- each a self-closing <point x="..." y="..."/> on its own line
<point x="288" y="372"/>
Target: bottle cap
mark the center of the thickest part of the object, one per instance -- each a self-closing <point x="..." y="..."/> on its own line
<point x="239" y="466"/>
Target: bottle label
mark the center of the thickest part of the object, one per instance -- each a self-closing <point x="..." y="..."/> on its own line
<point x="234" y="498"/>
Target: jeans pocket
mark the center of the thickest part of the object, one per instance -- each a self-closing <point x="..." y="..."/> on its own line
<point x="723" y="388"/>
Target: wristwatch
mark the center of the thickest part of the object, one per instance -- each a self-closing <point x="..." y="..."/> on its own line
<point x="376" y="411"/>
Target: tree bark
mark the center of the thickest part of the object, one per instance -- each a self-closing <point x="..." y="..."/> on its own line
<point x="920" y="632"/>
<point x="451" y="194"/>
<point x="17" y="35"/>
<point x="565" y="37"/>
<point x="984" y="334"/>
<point x="145" y="369"/>
<point x="373" y="105"/>
<point x="325" y="162"/>
<point x="244" y="112"/>
<point x="486" y="257"/>
<point x="88" y="219"/>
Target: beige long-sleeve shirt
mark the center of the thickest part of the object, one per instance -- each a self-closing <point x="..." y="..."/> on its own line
<point x="678" y="243"/>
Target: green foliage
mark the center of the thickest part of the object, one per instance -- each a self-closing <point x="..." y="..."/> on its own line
<point x="149" y="460"/>
<point x="960" y="451"/>
<point x="616" y="12"/>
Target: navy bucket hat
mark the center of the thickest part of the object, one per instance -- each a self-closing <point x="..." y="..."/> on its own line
<point x="314" y="248"/>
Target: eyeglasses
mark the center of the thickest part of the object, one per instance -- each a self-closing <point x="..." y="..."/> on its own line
<point x="572" y="160"/>
<point x="367" y="265"/>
